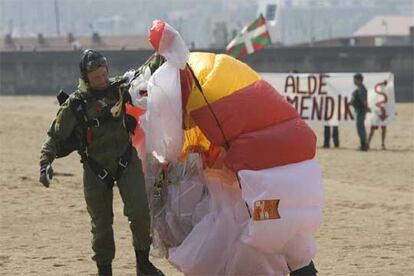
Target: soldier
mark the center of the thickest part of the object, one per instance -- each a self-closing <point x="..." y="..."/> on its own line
<point x="93" y="119"/>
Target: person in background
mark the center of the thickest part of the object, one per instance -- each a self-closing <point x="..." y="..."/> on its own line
<point x="383" y="134"/>
<point x="327" y="130"/>
<point x="360" y="103"/>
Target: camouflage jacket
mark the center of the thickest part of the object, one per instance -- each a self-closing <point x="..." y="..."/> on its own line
<point x="108" y="141"/>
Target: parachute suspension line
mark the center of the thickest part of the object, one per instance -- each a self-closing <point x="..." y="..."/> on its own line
<point x="197" y="83"/>
<point x="227" y="144"/>
<point x="245" y="203"/>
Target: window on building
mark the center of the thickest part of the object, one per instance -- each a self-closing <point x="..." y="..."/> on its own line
<point x="270" y="12"/>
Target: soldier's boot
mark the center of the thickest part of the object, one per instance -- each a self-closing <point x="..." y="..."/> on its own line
<point x="104" y="269"/>
<point x="144" y="266"/>
<point x="308" y="270"/>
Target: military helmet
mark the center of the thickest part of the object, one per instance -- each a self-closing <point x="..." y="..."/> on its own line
<point x="91" y="60"/>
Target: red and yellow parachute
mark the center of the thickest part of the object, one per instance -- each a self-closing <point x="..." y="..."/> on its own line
<point x="205" y="102"/>
<point x="236" y="107"/>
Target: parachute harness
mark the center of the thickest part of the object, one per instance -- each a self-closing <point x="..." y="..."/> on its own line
<point x="79" y="107"/>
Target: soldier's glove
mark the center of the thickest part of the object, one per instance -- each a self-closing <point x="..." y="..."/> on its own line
<point x="128" y="77"/>
<point x="46" y="174"/>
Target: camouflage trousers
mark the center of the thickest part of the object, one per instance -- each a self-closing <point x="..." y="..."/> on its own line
<point x="99" y="201"/>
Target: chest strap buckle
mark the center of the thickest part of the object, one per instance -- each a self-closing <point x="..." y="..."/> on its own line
<point x="103" y="174"/>
<point x="123" y="163"/>
<point x="95" y="122"/>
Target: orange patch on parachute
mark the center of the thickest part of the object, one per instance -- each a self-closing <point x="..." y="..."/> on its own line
<point x="266" y="209"/>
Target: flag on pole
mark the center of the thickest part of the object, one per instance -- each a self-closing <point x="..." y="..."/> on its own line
<point x="252" y="38"/>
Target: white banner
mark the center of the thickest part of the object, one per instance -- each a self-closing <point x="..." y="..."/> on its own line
<point x="326" y="98"/>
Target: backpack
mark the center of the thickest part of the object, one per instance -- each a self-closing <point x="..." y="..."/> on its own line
<point x="72" y="143"/>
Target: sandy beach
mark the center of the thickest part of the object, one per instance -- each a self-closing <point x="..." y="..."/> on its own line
<point x="368" y="224"/>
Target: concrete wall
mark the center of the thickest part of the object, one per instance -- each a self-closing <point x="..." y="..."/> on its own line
<point x="25" y="73"/>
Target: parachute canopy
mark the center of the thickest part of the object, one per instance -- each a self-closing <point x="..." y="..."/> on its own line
<point x="168" y="43"/>
<point x="215" y="102"/>
<point x="239" y="110"/>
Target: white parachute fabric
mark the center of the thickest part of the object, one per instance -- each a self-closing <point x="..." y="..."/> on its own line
<point x="177" y="203"/>
<point x="226" y="241"/>
<point x="208" y="247"/>
<point x="163" y="118"/>
<point x="173" y="47"/>
<point x="299" y="190"/>
<point x="246" y="260"/>
<point x="214" y="246"/>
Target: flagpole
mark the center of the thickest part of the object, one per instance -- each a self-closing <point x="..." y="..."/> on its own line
<point x="57" y="18"/>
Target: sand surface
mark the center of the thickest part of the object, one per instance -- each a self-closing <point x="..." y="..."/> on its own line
<point x="368" y="224"/>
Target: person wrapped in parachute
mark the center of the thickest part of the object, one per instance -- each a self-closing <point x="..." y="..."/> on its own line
<point x="239" y="192"/>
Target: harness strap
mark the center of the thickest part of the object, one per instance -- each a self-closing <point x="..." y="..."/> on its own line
<point x="101" y="172"/>
<point x="104" y="174"/>
<point x="123" y="162"/>
<point x="96" y="122"/>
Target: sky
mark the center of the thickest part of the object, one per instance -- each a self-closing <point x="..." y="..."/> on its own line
<point x="201" y="22"/>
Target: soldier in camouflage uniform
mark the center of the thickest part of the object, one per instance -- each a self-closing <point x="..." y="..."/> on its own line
<point x="95" y="118"/>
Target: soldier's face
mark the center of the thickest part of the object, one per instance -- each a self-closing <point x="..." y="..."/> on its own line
<point x="98" y="79"/>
